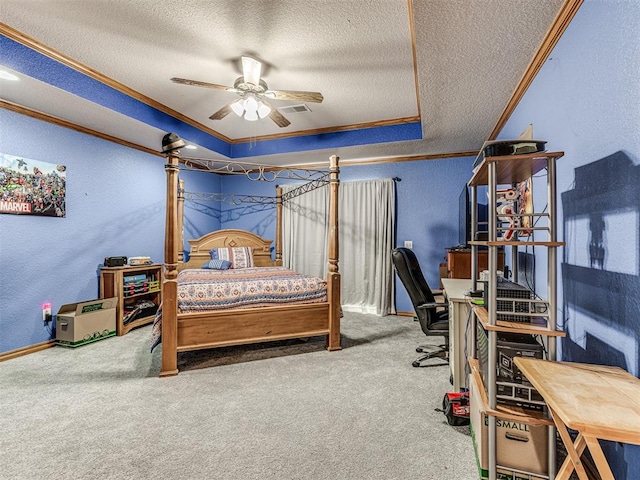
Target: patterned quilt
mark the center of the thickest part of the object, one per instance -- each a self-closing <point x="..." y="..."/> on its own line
<point x="202" y="290"/>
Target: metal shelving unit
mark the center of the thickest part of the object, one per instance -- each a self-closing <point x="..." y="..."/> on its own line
<point x="492" y="173"/>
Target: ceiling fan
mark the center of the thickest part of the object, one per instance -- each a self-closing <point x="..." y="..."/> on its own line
<point x="254" y="94"/>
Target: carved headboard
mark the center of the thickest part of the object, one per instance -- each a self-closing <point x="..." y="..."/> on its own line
<point x="200" y="247"/>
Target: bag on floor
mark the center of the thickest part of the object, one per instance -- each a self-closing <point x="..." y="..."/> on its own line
<point x="455" y="407"/>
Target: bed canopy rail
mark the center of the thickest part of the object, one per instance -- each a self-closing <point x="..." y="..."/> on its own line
<point x="173" y="329"/>
<point x="253" y="171"/>
<point x="240" y="199"/>
<point x="313" y="178"/>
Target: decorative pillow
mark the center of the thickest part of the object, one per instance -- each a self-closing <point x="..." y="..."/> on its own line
<point x="217" y="264"/>
<point x="240" y="257"/>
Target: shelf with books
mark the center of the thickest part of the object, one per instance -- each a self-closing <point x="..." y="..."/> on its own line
<point x="138" y="289"/>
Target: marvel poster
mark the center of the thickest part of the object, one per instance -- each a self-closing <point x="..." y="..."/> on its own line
<point x="31" y="187"/>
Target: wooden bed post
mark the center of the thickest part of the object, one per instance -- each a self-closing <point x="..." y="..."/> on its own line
<point x="170" y="284"/>
<point x="333" y="276"/>
<point x="279" y="226"/>
<point x="181" y="220"/>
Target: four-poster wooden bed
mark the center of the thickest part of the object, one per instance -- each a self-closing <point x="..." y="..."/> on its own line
<point x="185" y="331"/>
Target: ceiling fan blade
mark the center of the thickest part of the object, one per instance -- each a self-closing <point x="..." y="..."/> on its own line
<point x="276" y="116"/>
<point x="197" y="83"/>
<point x="223" y="112"/>
<point x="314" y="97"/>
<point x="251" y="70"/>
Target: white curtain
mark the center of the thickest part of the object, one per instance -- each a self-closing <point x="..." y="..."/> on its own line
<point x="366" y="225"/>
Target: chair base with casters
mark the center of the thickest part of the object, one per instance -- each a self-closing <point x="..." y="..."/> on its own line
<point x="435" y="351"/>
<point x="429" y="353"/>
<point x="432" y="316"/>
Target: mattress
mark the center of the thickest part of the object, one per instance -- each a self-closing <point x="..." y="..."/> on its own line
<point x="202" y="290"/>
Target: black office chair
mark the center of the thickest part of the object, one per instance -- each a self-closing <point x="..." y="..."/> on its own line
<point x="433" y="319"/>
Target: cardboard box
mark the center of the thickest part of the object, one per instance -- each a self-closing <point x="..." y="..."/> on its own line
<point x="85" y="322"/>
<point x="518" y="446"/>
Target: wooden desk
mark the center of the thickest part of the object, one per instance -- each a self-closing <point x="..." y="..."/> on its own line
<point x="598" y="402"/>
<point x="454" y="289"/>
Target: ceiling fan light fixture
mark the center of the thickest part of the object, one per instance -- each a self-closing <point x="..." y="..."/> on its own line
<point x="250" y="104"/>
<point x="237" y="107"/>
<point x="251" y="115"/>
<point x="263" y="110"/>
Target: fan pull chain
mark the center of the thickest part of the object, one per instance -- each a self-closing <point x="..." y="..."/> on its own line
<point x="253" y="138"/>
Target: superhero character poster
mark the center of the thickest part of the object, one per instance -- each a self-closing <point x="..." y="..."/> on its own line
<point x="31" y="187"/>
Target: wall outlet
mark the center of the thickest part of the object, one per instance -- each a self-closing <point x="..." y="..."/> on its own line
<point x="46" y="312"/>
<point x="408" y="244"/>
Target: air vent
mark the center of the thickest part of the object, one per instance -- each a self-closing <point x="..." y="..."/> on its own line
<point x="295" y="109"/>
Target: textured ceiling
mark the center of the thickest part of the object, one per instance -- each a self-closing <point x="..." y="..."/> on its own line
<point x="451" y="64"/>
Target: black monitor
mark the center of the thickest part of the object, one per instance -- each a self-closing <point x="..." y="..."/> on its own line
<point x="464" y="225"/>
<point x="464" y="220"/>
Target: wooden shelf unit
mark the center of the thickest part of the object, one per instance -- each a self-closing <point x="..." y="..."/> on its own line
<point x="520" y="327"/>
<point x="511" y="243"/>
<point x="511" y="169"/>
<point x="494" y="172"/>
<point x="112" y="285"/>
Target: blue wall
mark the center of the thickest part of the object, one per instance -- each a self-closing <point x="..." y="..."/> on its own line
<point x="586" y="102"/>
<point x="200" y="217"/>
<point x="115" y="205"/>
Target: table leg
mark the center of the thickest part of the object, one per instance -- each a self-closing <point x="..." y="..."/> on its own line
<point x="572" y="462"/>
<point x="599" y="459"/>
<point x="567" y="466"/>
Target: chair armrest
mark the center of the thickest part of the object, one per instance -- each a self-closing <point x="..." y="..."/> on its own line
<point x="433" y="304"/>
